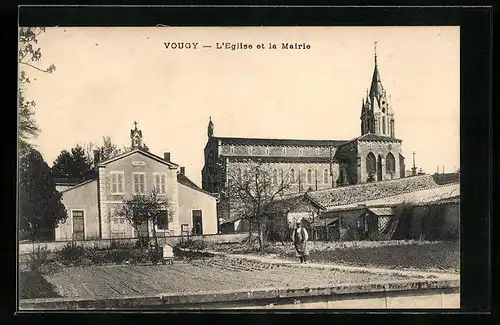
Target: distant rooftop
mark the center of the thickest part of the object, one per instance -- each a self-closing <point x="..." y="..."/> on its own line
<point x="281" y="142"/>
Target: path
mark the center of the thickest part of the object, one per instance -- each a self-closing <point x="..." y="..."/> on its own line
<point x="272" y="259"/>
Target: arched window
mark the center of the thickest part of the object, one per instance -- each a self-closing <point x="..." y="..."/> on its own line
<point x="371" y="164"/>
<point x="292" y="176"/>
<point x="250" y="150"/>
<point x="267" y="150"/>
<point x="317" y="151"/>
<point x="301" y="151"/>
<point x="309" y="176"/>
<point x="275" y="177"/>
<point x="390" y="163"/>
<point x="284" y="151"/>
<point x="231" y="150"/>
<point x="325" y="176"/>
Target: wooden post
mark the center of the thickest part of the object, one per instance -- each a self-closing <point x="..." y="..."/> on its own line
<point x="340" y="226"/>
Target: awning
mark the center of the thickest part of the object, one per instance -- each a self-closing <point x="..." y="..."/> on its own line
<point x="382" y="211"/>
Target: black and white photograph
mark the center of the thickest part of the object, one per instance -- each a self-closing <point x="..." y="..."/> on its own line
<point x="265" y="168"/>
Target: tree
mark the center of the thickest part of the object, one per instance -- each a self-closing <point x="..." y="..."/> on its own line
<point x="105" y="150"/>
<point x="256" y="191"/>
<point x="40" y="207"/>
<point x="142" y="209"/>
<point x="29" y="56"/>
<point x="73" y="164"/>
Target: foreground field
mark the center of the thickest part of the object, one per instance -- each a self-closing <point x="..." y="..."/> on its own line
<point x="415" y="255"/>
<point x="197" y="275"/>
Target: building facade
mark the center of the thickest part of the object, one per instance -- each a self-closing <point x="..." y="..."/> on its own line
<point x="315" y="164"/>
<point x="92" y="205"/>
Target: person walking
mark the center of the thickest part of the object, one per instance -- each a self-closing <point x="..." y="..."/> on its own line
<point x="300" y="238"/>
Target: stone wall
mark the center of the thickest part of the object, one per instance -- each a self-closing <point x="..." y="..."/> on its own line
<point x="380" y="149"/>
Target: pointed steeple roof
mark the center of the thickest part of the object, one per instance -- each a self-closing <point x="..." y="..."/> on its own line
<point x="376" y="89"/>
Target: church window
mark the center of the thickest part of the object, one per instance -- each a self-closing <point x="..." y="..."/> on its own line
<point x="284" y="151"/>
<point x="309" y="176"/>
<point x="275" y="177"/>
<point x="383" y="125"/>
<point x="371" y="163"/>
<point x="160" y="182"/>
<point x="139" y="183"/>
<point x="325" y="176"/>
<point x="268" y="151"/>
<point x="250" y="150"/>
<point x="231" y="150"/>
<point x="301" y="151"/>
<point x="317" y="151"/>
<point x="390" y="163"/>
<point x="292" y="176"/>
<point x="117" y="183"/>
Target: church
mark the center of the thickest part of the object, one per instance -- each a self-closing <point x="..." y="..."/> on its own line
<point x="376" y="155"/>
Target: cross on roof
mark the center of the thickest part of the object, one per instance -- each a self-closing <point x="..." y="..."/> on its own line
<point x="135" y="123"/>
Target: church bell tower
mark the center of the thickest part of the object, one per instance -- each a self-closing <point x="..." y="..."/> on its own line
<point x="377" y="116"/>
<point x="136" y="137"/>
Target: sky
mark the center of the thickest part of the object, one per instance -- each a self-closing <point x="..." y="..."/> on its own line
<point x="108" y="77"/>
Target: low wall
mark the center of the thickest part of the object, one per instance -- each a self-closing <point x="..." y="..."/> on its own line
<point x="25" y="248"/>
<point x="394" y="295"/>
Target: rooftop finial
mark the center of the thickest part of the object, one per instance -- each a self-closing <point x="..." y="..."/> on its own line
<point x="135" y="124"/>
<point x="375" y="51"/>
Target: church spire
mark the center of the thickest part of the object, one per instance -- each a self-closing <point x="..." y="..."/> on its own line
<point x="210" y="130"/>
<point x="379" y="117"/>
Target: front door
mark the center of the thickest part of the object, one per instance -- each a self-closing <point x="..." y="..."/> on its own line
<point x="78" y="225"/>
<point x="197" y="222"/>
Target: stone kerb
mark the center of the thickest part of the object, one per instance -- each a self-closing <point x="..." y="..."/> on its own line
<point x="244" y="297"/>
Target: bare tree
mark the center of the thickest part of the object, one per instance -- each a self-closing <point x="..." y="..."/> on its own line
<point x="143" y="209"/>
<point x="256" y="191"/>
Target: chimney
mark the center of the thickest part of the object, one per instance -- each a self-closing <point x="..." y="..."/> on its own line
<point x="97" y="157"/>
<point x="166" y="156"/>
<point x="183" y="170"/>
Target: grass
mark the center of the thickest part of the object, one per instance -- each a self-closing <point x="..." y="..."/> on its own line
<point x="32" y="285"/>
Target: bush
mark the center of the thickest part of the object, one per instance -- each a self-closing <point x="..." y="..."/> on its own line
<point x="72" y="254"/>
<point x="197" y="244"/>
<point x="37" y="258"/>
<point x="143" y="242"/>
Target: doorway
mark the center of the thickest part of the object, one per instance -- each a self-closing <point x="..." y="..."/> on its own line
<point x="197" y="222"/>
<point x="78" y="225"/>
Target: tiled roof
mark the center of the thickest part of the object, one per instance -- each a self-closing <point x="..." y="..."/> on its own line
<point x="370" y="191"/>
<point x="145" y="153"/>
<point x="375" y="137"/>
<point x="281" y="142"/>
<point x="279" y="159"/>
<point x="182" y="179"/>
<point x="80" y="184"/>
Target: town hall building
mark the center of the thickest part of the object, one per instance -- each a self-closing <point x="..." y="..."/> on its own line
<point x="375" y="155"/>
<point x="92" y="205"/>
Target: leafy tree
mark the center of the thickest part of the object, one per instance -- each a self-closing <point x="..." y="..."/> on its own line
<point x="106" y="150"/>
<point x="256" y="192"/>
<point x="40" y="207"/>
<point x="142" y="209"/>
<point x="29" y="55"/>
<point x="74" y="164"/>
